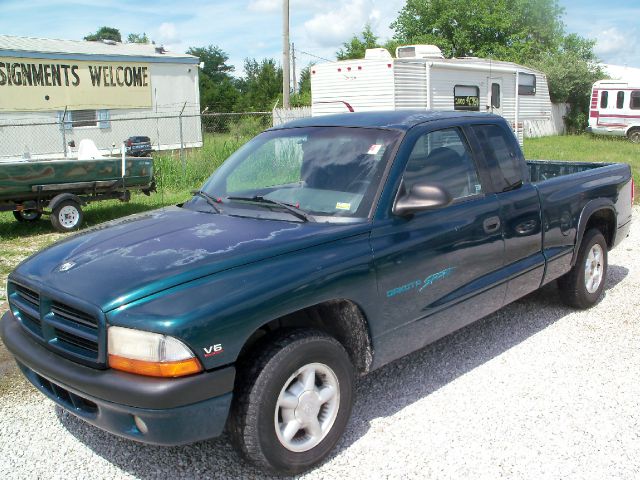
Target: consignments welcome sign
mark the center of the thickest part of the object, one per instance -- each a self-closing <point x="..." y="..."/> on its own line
<point x="37" y="85"/>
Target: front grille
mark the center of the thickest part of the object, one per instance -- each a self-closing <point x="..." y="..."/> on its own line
<point x="71" y="331"/>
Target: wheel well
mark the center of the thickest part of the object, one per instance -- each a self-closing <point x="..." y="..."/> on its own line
<point x="605" y="221"/>
<point x="342" y="319"/>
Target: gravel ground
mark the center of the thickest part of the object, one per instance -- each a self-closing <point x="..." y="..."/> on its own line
<point x="534" y="391"/>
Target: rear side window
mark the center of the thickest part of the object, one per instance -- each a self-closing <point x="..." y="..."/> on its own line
<point x="442" y="157"/>
<point x="498" y="146"/>
<point x="604" y="99"/>
<point x="620" y="100"/>
<point x="634" y="103"/>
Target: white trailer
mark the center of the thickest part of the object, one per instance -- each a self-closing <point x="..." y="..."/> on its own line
<point x="421" y="78"/>
<point x="615" y="109"/>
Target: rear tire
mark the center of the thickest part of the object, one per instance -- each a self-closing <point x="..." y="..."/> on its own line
<point x="634" y="135"/>
<point x="583" y="285"/>
<point x="67" y="216"/>
<point x="27" y="215"/>
<point x="292" y="401"/>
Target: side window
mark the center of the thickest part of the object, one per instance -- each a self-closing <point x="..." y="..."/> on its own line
<point x="495" y="95"/>
<point x="620" y="100"/>
<point x="498" y="146"/>
<point x="604" y="99"/>
<point x="634" y="103"/>
<point x="526" y="84"/>
<point x="442" y="157"/>
<point x="466" y="97"/>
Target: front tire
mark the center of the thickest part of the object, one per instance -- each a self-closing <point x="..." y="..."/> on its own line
<point x="292" y="401"/>
<point x="634" y="135"/>
<point x="583" y="285"/>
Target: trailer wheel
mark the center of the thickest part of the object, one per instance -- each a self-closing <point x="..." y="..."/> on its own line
<point x="634" y="135"/>
<point x="66" y="216"/>
<point x="27" y="215"/>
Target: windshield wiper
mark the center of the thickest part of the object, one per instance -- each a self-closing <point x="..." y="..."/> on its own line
<point x="301" y="214"/>
<point x="210" y="200"/>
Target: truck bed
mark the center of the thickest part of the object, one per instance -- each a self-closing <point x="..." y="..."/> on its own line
<point x="21" y="179"/>
<point x="541" y="170"/>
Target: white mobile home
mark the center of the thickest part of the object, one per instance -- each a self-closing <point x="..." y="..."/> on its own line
<point x="615" y="109"/>
<point x="420" y="77"/>
<point x="56" y="92"/>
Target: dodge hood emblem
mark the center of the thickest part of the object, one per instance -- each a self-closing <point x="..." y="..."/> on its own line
<point x="66" y="266"/>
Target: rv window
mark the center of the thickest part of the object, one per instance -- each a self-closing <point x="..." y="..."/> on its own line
<point x="466" y="97"/>
<point x="495" y="95"/>
<point x="620" y="100"/>
<point x="83" y="118"/>
<point x="526" y="84"/>
<point x="634" y="104"/>
<point x="604" y="99"/>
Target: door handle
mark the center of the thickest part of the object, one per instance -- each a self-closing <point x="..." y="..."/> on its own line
<point x="491" y="224"/>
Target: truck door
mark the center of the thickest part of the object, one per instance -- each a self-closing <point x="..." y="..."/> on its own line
<point x="434" y="268"/>
<point x="520" y="211"/>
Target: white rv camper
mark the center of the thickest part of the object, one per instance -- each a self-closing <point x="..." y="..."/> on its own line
<point x="421" y="78"/>
<point x="615" y="109"/>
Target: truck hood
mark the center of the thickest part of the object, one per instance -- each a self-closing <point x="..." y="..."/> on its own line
<point x="118" y="262"/>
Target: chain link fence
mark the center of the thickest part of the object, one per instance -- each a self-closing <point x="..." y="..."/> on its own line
<point x="42" y="137"/>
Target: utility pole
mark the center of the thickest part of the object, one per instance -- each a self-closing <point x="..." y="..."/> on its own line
<point x="293" y="68"/>
<point x="286" y="77"/>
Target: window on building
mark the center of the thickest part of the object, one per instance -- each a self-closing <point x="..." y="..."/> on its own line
<point x="526" y="84"/>
<point x="634" y="103"/>
<point x="499" y="147"/>
<point x="495" y="95"/>
<point x="84" y="118"/>
<point x="620" y="100"/>
<point x="604" y="99"/>
<point x="443" y="157"/>
<point x="466" y="97"/>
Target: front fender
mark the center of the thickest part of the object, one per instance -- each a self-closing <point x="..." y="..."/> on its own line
<point x="216" y="315"/>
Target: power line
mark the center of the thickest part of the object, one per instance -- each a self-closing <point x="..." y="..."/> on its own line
<point x="315" y="56"/>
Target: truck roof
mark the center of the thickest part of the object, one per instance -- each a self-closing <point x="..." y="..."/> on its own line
<point x="393" y="119"/>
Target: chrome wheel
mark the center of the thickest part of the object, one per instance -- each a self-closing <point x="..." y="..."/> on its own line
<point x="593" y="268"/>
<point x="307" y="407"/>
<point x="68" y="216"/>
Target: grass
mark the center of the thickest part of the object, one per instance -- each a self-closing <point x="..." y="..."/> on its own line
<point x="585" y="148"/>
<point x="19" y="240"/>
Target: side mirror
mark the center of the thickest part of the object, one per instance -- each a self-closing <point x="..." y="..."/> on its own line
<point x="421" y="196"/>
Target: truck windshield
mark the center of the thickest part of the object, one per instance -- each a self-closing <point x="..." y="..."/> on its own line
<point x="322" y="171"/>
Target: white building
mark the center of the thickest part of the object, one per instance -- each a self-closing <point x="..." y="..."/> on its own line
<point x="420" y="77"/>
<point x="56" y="92"/>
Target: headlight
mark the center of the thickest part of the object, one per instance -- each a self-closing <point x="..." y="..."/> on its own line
<point x="151" y="354"/>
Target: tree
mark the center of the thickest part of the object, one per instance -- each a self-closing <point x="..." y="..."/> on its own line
<point x="218" y="90"/>
<point x="356" y="47"/>
<point x="515" y="30"/>
<point x="303" y="97"/>
<point x="261" y="86"/>
<point x="105" y="33"/>
<point x="571" y="71"/>
<point x="215" y="62"/>
<point x="138" y="38"/>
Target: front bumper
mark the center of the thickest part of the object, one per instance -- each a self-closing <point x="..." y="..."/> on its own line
<point x="169" y="411"/>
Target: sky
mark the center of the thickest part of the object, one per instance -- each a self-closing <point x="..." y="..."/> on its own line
<point x="253" y="28"/>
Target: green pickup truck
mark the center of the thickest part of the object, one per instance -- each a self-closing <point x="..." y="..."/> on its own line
<point x="318" y="252"/>
<point x="30" y="187"/>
